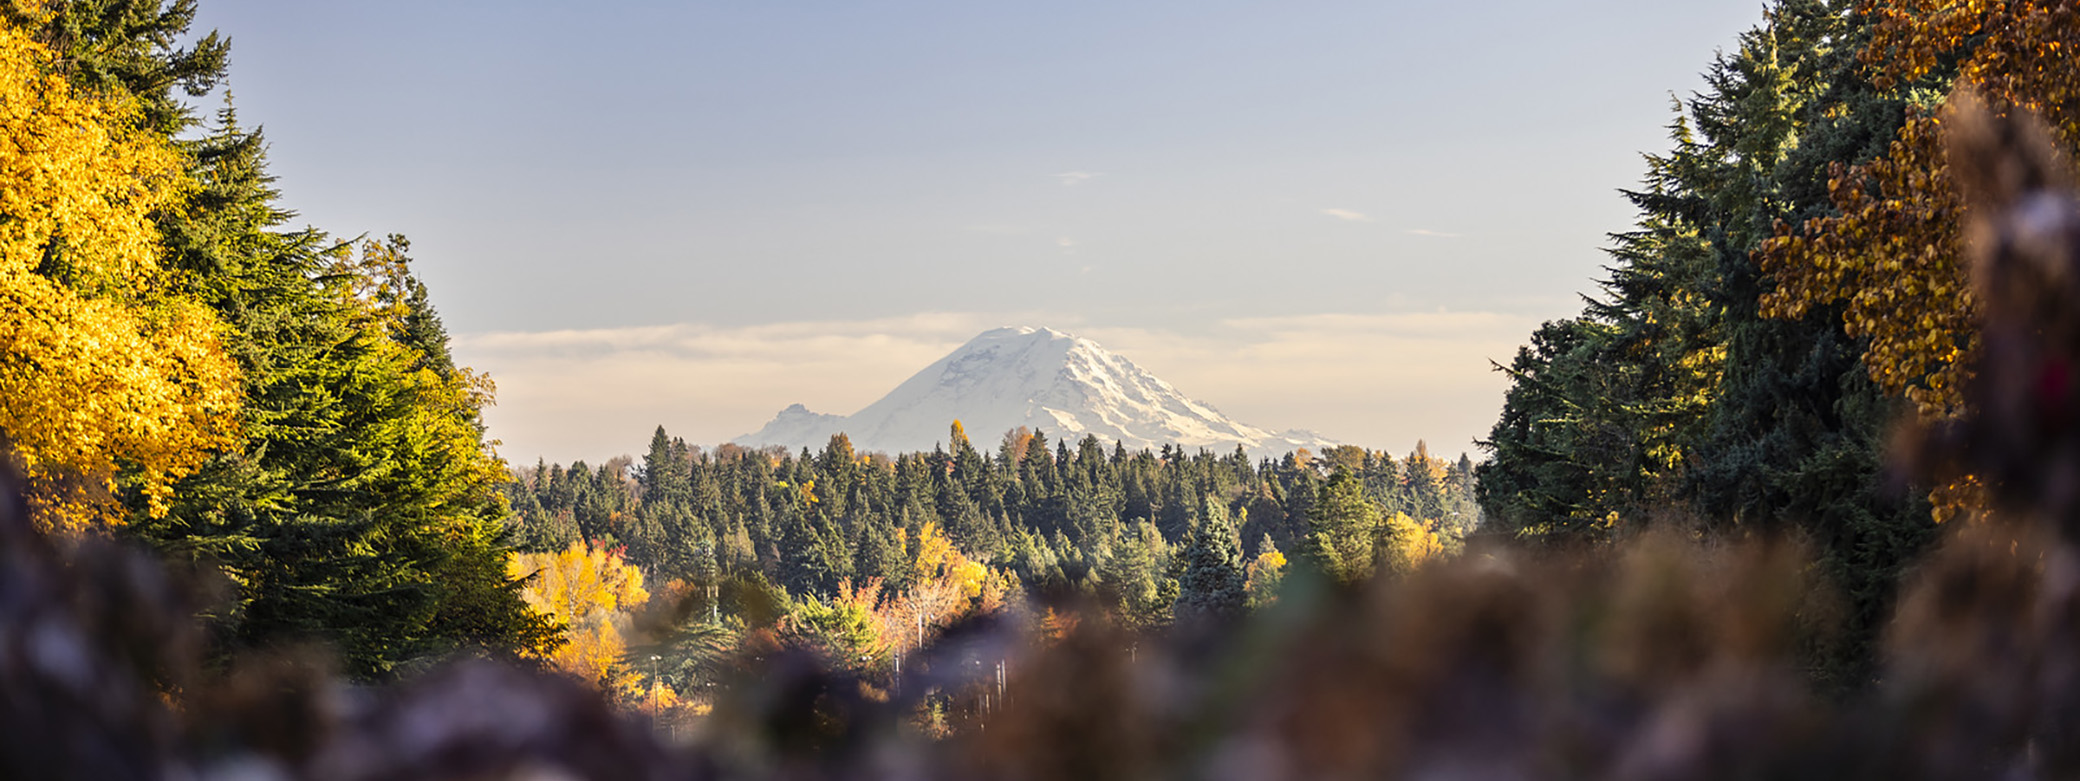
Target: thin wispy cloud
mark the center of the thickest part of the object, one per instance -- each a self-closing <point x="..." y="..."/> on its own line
<point x="996" y="229"/>
<point x="596" y="393"/>
<point x="1346" y="214"/>
<point x="1432" y="234"/>
<point x="1073" y="178"/>
<point x="1377" y="380"/>
<point x="1334" y="328"/>
<point x="1067" y="244"/>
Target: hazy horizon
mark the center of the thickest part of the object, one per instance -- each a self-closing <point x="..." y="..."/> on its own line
<point x="1324" y="216"/>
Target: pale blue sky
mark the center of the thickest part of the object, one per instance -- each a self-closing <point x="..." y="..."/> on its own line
<point x="1325" y="215"/>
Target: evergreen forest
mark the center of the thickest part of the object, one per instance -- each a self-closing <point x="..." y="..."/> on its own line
<point x="1145" y="538"/>
<point x="1790" y="496"/>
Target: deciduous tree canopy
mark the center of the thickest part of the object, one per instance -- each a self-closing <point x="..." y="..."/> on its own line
<point x="267" y="403"/>
<point x="101" y="367"/>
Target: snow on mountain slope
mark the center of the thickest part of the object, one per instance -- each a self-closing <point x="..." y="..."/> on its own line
<point x="1035" y="377"/>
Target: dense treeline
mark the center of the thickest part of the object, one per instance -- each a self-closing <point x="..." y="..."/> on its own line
<point x="266" y="403"/>
<point x="1062" y="519"/>
<point x="280" y="407"/>
<point x="1793" y="287"/>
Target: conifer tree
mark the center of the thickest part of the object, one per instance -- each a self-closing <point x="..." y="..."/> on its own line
<point x="358" y="503"/>
<point x="1674" y="391"/>
<point x="1212" y="588"/>
<point x="1265" y="573"/>
<point x="1343" y="525"/>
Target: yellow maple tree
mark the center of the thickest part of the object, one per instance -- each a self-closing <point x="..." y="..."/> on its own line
<point x="592" y="592"/>
<point x="99" y="367"/>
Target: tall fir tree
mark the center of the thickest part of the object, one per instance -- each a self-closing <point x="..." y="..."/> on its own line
<point x="1212" y="588"/>
<point x="1342" y="527"/>
<point x="359" y="504"/>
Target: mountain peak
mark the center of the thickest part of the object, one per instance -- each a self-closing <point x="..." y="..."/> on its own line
<point x="1022" y="333"/>
<point x="1040" y="378"/>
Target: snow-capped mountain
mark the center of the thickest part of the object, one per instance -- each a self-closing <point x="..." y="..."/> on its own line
<point x="1034" y="377"/>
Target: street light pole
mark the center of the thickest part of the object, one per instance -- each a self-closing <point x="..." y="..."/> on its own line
<point x="654" y="682"/>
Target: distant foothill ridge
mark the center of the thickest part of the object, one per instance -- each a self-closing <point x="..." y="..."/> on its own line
<point x="1040" y="378"/>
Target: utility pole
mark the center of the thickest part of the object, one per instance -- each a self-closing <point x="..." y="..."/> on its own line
<point x="917" y="616"/>
<point x="653" y="690"/>
<point x="714" y="575"/>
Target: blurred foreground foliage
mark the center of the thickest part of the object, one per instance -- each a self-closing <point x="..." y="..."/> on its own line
<point x="1699" y="566"/>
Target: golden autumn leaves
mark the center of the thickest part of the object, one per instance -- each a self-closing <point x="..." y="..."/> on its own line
<point x="1892" y="254"/>
<point x="1890" y="259"/>
<point x="592" y="592"/>
<point x="99" y="371"/>
<point x="860" y="626"/>
<point x="605" y="608"/>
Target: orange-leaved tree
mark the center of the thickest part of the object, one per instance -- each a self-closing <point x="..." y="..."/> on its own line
<point x="1891" y="255"/>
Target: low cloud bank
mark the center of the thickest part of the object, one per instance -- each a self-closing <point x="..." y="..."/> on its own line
<point x="1378" y="380"/>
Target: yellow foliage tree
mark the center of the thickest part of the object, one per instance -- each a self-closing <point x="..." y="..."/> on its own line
<point x="99" y="366"/>
<point x="1263" y="575"/>
<point x="948" y="585"/>
<point x="861" y="600"/>
<point x="591" y="592"/>
<point x="847" y="629"/>
<point x="1405" y="544"/>
<point x="1893" y="253"/>
<point x="1892" y="257"/>
<point x="996" y="590"/>
<point x="660" y="700"/>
